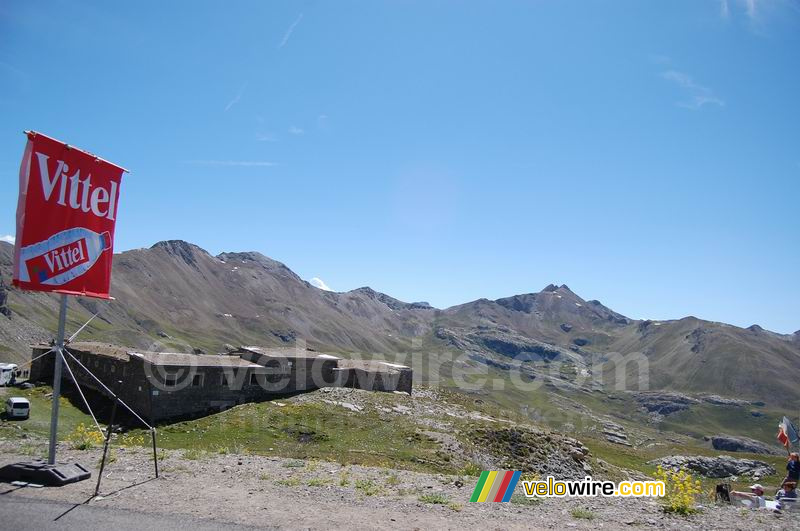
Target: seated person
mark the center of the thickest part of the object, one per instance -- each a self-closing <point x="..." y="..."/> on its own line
<point x="755" y="496"/>
<point x="793" y="468"/>
<point x="788" y="492"/>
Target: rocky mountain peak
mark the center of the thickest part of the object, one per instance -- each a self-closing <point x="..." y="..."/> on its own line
<point x="391" y="302"/>
<point x="254" y="257"/>
<point x="186" y="251"/>
<point x="366" y="290"/>
<point x="520" y="303"/>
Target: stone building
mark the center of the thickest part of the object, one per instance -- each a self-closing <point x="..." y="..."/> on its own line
<point x="170" y="386"/>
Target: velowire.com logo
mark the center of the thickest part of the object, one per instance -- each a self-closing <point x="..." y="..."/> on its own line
<point x="498" y="486"/>
<point x="495" y="486"/>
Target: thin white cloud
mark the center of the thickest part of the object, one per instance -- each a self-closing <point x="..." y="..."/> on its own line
<point x="289" y="31"/>
<point x="699" y="95"/>
<point x="266" y="137"/>
<point x="8" y="239"/>
<point x="231" y="163"/>
<point x="319" y="283"/>
<point x="750" y="7"/>
<point x="296" y="130"/>
<point x="236" y="98"/>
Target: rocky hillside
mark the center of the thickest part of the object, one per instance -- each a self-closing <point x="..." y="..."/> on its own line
<point x="175" y="295"/>
<point x="178" y="295"/>
<point x="689" y="354"/>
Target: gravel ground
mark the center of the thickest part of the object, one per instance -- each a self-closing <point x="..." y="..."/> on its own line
<point x="291" y="494"/>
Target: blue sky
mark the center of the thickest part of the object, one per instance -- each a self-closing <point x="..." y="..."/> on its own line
<point x="644" y="153"/>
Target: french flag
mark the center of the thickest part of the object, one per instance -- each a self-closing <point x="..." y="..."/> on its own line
<point x="787" y="433"/>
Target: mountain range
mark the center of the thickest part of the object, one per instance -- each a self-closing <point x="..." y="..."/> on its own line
<point x="177" y="296"/>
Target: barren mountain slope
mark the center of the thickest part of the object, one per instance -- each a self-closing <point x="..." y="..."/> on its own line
<point x="177" y="296"/>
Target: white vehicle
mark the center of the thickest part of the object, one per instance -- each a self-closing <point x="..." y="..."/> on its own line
<point x="18" y="408"/>
<point x="8" y="373"/>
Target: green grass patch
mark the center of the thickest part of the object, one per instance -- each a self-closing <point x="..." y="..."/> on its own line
<point x="434" y="498"/>
<point x="472" y="469"/>
<point x="69" y="416"/>
<point x="193" y="454"/>
<point x="368" y="487"/>
<point x="310" y="431"/>
<point x="582" y="514"/>
<point x="521" y="499"/>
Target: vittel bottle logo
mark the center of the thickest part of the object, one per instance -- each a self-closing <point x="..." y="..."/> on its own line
<point x="63" y="257"/>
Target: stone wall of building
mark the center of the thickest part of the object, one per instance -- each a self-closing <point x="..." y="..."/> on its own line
<point x="374" y="376"/>
<point x="125" y="378"/>
<point x="169" y="387"/>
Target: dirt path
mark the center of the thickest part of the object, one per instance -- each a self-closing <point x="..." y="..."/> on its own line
<point x="291" y="494"/>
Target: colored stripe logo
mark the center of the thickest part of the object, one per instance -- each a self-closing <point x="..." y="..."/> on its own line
<point x="495" y="486"/>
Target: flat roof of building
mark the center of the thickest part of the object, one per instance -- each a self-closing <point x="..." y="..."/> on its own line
<point x="165" y="359"/>
<point x="100" y="349"/>
<point x="197" y="360"/>
<point x="287" y="352"/>
<point x="372" y="366"/>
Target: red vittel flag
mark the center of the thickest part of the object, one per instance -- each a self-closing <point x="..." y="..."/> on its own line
<point x="66" y="213"/>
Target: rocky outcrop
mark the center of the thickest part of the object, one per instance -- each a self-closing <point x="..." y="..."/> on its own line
<point x="184" y="251"/>
<point x="391" y="302"/>
<point x="615" y="433"/>
<point x="499" y="340"/>
<point x="722" y="466"/>
<point x="729" y="443"/>
<point x="533" y="451"/>
<point x="665" y="403"/>
<point x="287" y="336"/>
<point x="722" y="401"/>
<point x="4" y="309"/>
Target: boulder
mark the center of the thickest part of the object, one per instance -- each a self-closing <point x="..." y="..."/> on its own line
<point x="729" y="443"/>
<point x="665" y="403"/>
<point x="722" y="401"/>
